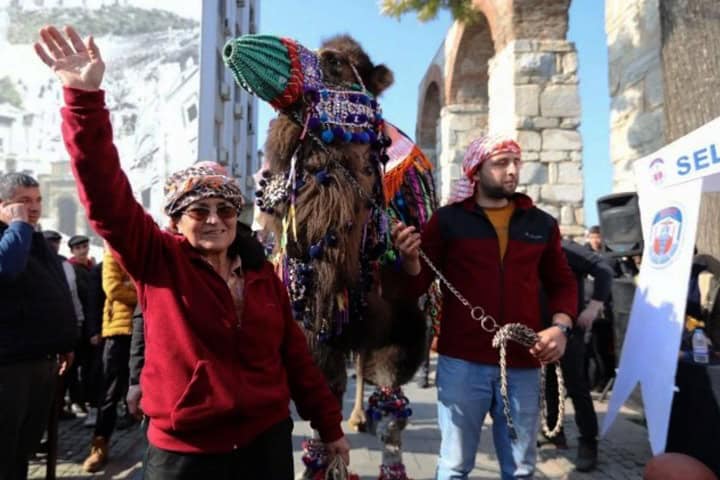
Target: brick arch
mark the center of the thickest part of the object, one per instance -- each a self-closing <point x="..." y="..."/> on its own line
<point x="429" y="117"/>
<point x="472" y="47"/>
<point x="430" y="103"/>
<point x="540" y="19"/>
<point x="535" y="19"/>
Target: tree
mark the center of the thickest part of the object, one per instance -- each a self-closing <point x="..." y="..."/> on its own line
<point x="691" y="76"/>
<point x="426" y="10"/>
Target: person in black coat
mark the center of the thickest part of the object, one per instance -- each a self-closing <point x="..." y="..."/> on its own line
<point x="583" y="263"/>
<point x="38" y="328"/>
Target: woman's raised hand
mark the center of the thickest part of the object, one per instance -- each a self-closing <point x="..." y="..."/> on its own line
<point x="77" y="63"/>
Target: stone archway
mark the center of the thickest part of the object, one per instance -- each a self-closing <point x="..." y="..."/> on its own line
<point x="427" y="134"/>
<point x="427" y="125"/>
<point x="468" y="65"/>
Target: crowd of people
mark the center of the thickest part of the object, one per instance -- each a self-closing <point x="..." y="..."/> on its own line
<point x="190" y="326"/>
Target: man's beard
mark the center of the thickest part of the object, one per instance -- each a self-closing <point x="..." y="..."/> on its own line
<point x="497" y="192"/>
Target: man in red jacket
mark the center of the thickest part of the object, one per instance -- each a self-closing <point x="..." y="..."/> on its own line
<point x="495" y="247"/>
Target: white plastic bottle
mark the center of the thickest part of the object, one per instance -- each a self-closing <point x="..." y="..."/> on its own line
<point x="700" y="349"/>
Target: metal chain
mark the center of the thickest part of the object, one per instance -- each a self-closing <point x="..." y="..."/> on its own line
<point x="476" y="312"/>
<point x="527" y="337"/>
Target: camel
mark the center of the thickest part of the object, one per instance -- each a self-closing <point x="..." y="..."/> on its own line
<point x="328" y="196"/>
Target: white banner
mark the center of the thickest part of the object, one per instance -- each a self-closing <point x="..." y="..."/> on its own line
<point x="670" y="183"/>
<point x="696" y="155"/>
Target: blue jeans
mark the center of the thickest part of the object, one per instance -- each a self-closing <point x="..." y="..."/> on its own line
<point x="467" y="391"/>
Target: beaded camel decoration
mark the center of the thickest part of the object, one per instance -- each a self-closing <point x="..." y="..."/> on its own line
<point x="335" y="176"/>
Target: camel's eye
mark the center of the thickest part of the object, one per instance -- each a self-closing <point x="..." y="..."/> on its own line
<point x="332" y="59"/>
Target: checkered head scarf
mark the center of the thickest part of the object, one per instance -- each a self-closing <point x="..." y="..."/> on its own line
<point x="199" y="181"/>
<point x="479" y="150"/>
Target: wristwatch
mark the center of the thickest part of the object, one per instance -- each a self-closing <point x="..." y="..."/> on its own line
<point x="565" y="329"/>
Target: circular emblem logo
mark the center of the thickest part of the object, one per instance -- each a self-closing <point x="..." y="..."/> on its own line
<point x="665" y="236"/>
<point x="657" y="171"/>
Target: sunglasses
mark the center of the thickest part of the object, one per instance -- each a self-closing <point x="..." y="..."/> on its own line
<point x="224" y="212"/>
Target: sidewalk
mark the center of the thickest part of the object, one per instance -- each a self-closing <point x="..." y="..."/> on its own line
<point x="623" y="453"/>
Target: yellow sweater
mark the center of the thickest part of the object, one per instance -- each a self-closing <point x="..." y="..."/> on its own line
<point x="500" y="219"/>
<point x="120" y="298"/>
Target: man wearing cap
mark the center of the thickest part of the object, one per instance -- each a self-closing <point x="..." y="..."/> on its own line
<point x="37" y="324"/>
<point x="495" y="247"/>
<point x="78" y="278"/>
<point x="80" y="249"/>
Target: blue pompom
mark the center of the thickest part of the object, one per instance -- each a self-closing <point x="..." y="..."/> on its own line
<point x="364" y="137"/>
<point x="327" y="136"/>
<point x="338" y="132"/>
<point x="331" y="239"/>
<point x="322" y="177"/>
<point x="323" y="117"/>
<point x="316" y="250"/>
<point x="347" y="137"/>
<point x="372" y="135"/>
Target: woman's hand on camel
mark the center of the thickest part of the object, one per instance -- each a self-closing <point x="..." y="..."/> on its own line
<point x="77" y="63"/>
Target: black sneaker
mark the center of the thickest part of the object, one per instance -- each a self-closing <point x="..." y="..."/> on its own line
<point x="587" y="457"/>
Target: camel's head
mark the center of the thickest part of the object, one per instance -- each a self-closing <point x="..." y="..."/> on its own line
<point x="342" y="61"/>
<point x="333" y="91"/>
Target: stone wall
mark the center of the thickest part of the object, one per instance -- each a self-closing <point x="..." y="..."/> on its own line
<point x="636" y="86"/>
<point x="534" y="93"/>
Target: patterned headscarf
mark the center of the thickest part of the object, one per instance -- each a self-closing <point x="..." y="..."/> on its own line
<point x="199" y="181"/>
<point x="479" y="150"/>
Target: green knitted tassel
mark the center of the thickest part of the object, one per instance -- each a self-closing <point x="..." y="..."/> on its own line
<point x="263" y="65"/>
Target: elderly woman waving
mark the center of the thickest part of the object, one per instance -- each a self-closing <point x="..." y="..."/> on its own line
<point x="224" y="356"/>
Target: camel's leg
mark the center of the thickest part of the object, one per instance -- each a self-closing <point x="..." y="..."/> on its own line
<point x="392" y="467"/>
<point x="357" y="420"/>
<point x="390" y="411"/>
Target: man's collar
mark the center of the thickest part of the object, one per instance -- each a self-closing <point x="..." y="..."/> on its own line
<point x="521" y="201"/>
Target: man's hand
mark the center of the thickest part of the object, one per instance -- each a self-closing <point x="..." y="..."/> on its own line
<point x="95" y="340"/>
<point x="339" y="447"/>
<point x="78" y="66"/>
<point x="589" y="314"/>
<point x="65" y="360"/>
<point x="550" y="347"/>
<point x="13" y="212"/>
<point x="133" y="397"/>
<point x="407" y="241"/>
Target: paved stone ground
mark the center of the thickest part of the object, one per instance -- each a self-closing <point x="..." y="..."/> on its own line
<point x="623" y="452"/>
